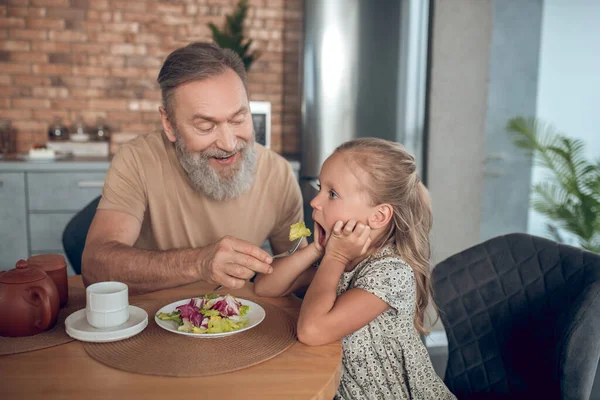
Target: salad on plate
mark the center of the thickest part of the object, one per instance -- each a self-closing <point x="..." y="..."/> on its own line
<point x="211" y="313"/>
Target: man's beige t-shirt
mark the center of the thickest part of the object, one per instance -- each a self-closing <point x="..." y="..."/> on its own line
<point x="146" y="180"/>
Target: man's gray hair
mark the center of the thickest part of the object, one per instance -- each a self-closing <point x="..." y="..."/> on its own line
<point x="196" y="62"/>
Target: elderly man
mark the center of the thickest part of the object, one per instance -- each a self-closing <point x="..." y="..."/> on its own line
<point x="196" y="202"/>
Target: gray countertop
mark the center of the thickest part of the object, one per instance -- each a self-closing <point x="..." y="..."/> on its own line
<point x="13" y="164"/>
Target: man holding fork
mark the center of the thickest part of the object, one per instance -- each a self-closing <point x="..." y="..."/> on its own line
<point x="197" y="201"/>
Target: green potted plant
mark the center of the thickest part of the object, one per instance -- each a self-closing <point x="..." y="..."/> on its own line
<point x="231" y="36"/>
<point x="571" y="198"/>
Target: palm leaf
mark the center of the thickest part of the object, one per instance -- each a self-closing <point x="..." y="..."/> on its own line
<point x="571" y="198"/>
<point x="554" y="233"/>
<point x="592" y="244"/>
<point x="535" y="138"/>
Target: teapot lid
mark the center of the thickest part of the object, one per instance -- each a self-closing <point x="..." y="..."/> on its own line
<point x="47" y="262"/>
<point x="23" y="273"/>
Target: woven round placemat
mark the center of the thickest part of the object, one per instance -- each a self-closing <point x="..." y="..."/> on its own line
<point x="52" y="337"/>
<point x="156" y="351"/>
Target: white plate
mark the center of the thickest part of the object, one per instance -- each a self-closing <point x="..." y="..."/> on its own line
<point x="78" y="328"/>
<point x="254" y="316"/>
<point x="57" y="156"/>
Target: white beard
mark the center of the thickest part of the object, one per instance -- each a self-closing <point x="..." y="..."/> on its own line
<point x="228" y="183"/>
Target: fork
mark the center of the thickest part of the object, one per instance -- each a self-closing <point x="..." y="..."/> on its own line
<point x="292" y="250"/>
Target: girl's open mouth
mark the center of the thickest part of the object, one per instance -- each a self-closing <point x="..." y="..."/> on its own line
<point x="322" y="235"/>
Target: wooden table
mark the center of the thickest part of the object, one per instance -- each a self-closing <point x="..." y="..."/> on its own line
<point x="67" y="372"/>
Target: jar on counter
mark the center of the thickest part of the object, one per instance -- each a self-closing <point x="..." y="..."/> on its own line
<point x="58" y="131"/>
<point x="80" y="131"/>
<point x="102" y="131"/>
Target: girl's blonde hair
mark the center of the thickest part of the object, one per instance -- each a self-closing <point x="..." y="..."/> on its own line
<point x="392" y="179"/>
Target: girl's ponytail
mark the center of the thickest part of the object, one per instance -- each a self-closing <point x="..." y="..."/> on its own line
<point x="393" y="180"/>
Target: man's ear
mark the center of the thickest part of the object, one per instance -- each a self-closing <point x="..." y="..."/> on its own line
<point x="381" y="216"/>
<point x="166" y="124"/>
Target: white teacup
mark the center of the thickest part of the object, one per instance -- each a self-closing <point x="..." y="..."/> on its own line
<point x="107" y="304"/>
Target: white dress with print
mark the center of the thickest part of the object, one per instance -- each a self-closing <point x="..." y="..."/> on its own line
<point x="386" y="359"/>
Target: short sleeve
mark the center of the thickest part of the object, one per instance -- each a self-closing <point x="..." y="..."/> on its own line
<point x="391" y="280"/>
<point x="124" y="185"/>
<point x="290" y="212"/>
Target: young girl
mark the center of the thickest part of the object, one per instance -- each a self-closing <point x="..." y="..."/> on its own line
<point x="372" y="221"/>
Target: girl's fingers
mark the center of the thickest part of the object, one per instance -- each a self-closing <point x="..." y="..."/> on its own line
<point x="360" y="227"/>
<point x="364" y="231"/>
<point x="365" y="237"/>
<point x="349" y="227"/>
<point x="337" y="228"/>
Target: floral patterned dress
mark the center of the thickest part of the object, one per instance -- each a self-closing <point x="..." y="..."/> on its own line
<point x="386" y="359"/>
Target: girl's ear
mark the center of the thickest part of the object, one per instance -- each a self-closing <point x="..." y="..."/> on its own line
<point x="381" y="216"/>
<point x="166" y="124"/>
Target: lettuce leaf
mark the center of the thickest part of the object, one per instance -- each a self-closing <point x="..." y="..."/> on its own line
<point x="174" y="316"/>
<point x="298" y="230"/>
<point x="219" y="325"/>
<point x="244" y="310"/>
<point x="186" y="326"/>
<point x="210" y="313"/>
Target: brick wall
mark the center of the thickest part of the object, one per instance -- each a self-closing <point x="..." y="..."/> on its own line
<point x="91" y="58"/>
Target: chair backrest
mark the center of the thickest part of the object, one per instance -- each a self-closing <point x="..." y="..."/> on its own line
<point x="75" y="233"/>
<point x="513" y="308"/>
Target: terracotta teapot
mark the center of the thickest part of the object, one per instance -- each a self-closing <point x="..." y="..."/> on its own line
<point x="55" y="266"/>
<point x="29" y="301"/>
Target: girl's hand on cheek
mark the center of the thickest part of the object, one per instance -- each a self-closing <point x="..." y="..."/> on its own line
<point x="349" y="241"/>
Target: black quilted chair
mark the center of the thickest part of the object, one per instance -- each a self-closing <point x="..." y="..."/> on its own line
<point x="75" y="233"/>
<point x="522" y="315"/>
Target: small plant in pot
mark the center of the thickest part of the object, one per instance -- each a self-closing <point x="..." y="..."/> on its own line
<point x="231" y="36"/>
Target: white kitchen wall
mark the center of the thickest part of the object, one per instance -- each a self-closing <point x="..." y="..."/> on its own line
<point x="569" y="79"/>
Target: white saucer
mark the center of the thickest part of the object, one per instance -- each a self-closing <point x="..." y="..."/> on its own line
<point x="78" y="328"/>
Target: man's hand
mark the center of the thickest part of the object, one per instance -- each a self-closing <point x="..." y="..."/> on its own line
<point x="231" y="262"/>
<point x="348" y="242"/>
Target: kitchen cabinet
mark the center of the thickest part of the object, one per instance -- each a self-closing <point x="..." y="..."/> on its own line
<point x="37" y="201"/>
<point x="13" y="219"/>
